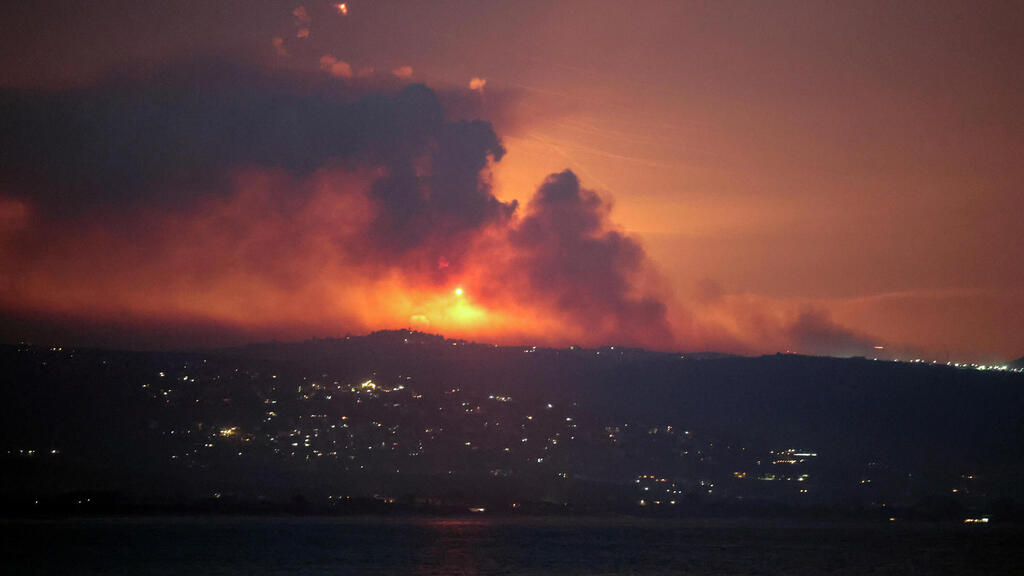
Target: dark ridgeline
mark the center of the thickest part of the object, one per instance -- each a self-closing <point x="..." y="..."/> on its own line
<point x="406" y="421"/>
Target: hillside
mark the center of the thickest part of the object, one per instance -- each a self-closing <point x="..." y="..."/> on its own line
<point x="434" y="422"/>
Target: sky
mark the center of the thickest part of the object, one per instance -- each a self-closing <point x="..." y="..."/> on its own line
<point x="748" y="177"/>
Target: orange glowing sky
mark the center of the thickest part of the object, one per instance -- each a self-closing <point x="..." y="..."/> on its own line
<point x="801" y="176"/>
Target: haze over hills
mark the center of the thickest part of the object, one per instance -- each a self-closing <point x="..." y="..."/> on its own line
<point x="401" y="418"/>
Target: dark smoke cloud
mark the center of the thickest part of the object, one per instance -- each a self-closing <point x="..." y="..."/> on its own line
<point x="438" y="197"/>
<point x="133" y="140"/>
<point x="814" y="332"/>
<point x="571" y="256"/>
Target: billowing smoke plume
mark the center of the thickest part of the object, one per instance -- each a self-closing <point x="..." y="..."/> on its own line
<point x="569" y="254"/>
<point x="133" y="139"/>
<point x="285" y="205"/>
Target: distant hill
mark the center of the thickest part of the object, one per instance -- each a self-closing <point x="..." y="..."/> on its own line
<point x="403" y="414"/>
<point x="1018" y="363"/>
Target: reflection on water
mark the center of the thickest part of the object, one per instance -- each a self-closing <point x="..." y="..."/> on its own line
<point x="484" y="546"/>
<point x="459" y="547"/>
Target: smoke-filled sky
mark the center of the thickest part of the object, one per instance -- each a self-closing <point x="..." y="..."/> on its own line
<point x="747" y="177"/>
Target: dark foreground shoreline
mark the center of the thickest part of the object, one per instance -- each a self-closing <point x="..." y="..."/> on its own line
<point x="100" y="504"/>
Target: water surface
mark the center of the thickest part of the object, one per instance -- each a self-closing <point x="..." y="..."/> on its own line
<point x="483" y="546"/>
